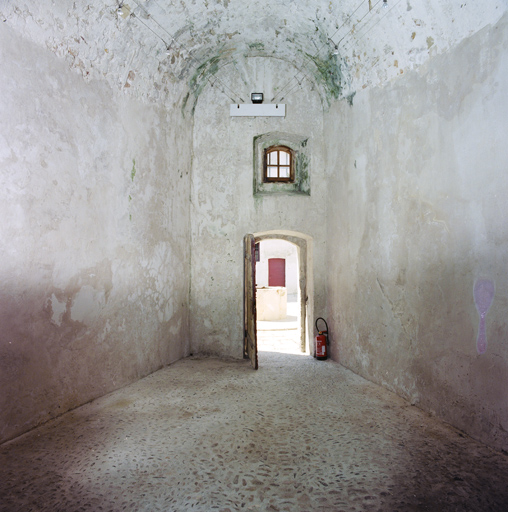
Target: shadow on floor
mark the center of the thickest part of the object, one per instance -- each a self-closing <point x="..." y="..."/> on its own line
<point x="296" y="435"/>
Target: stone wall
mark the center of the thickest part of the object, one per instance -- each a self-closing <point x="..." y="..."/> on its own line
<point x="417" y="216"/>
<point x="94" y="273"/>
<point x="224" y="207"/>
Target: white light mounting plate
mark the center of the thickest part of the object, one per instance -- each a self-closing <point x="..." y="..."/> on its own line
<point x="257" y="110"/>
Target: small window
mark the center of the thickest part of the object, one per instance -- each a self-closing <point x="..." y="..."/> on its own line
<point x="281" y="164"/>
<point x="278" y="164"/>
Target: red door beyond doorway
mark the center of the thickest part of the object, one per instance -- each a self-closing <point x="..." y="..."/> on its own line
<point x="276" y="272"/>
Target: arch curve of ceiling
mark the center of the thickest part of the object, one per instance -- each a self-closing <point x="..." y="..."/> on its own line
<point x="167" y="50"/>
<point x="324" y="76"/>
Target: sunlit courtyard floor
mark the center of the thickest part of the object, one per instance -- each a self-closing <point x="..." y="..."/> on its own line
<point x="280" y="335"/>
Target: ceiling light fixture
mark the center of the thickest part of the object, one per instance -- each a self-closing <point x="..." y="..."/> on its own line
<point x="257" y="97"/>
<point x="385" y="4"/>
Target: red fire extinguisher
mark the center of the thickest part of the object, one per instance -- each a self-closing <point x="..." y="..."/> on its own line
<point x="321" y="341"/>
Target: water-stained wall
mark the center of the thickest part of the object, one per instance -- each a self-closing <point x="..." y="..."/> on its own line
<point x="94" y="272"/>
<point x="224" y="207"/>
<point x="417" y="216"/>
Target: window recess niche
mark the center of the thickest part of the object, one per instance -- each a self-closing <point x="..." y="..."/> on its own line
<point x="301" y="164"/>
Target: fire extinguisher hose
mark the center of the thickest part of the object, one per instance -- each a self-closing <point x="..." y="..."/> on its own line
<point x="317" y="328"/>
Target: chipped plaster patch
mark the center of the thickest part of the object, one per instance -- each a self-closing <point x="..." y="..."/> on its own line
<point x="126" y="51"/>
<point x="58" y="308"/>
<point x="87" y="304"/>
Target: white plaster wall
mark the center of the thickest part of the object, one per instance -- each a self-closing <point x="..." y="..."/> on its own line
<point x="224" y="208"/>
<point x="131" y="53"/>
<point x="271" y="303"/>
<point x="419" y="213"/>
<point x="94" y="267"/>
<point x="279" y="249"/>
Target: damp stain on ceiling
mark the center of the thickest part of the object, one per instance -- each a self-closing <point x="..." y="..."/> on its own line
<point x="152" y="49"/>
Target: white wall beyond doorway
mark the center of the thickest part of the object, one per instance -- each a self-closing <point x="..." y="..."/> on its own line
<point x="269" y="249"/>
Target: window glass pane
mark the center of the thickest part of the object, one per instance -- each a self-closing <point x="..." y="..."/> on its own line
<point x="272" y="158"/>
<point x="284" y="172"/>
<point x="271" y="172"/>
<point x="284" y="158"/>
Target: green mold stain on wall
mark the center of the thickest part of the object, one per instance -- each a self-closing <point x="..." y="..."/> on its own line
<point x="302" y="163"/>
<point x="256" y="46"/>
<point x="133" y="173"/>
<point x="199" y="80"/>
<point x="209" y="67"/>
<point x="133" y="170"/>
<point x="328" y="72"/>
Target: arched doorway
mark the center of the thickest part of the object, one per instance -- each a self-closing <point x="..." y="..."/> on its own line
<point x="303" y="245"/>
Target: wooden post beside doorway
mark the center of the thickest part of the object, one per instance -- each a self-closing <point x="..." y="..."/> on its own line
<point x="250" y="346"/>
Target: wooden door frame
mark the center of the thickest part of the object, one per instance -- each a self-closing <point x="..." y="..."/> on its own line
<point x="303" y="244"/>
<point x="250" y="347"/>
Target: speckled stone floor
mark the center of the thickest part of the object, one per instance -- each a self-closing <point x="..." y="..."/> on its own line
<point x="209" y="435"/>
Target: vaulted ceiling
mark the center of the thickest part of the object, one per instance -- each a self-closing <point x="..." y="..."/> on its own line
<point x="151" y="47"/>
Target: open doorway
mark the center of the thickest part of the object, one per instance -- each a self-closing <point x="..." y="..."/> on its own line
<point x="300" y="296"/>
<point x="278" y="296"/>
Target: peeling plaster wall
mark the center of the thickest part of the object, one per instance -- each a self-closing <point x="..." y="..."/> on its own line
<point x="383" y="44"/>
<point x="94" y="272"/>
<point x="154" y="43"/>
<point x="418" y="213"/>
<point x="224" y="208"/>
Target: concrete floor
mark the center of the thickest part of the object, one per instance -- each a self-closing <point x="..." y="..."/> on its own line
<point x="205" y="435"/>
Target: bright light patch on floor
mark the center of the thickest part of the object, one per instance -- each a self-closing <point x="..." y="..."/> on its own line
<point x="281" y="336"/>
